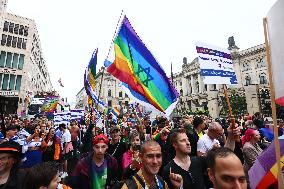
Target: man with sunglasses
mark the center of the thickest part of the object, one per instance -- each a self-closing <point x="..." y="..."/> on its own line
<point x="98" y="170"/>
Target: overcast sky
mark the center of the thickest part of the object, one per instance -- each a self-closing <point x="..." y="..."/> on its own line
<point x="70" y="30"/>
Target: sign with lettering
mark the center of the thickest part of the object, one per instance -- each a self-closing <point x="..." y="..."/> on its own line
<point x="10" y="71"/>
<point x="9" y="93"/>
<point x="216" y="65"/>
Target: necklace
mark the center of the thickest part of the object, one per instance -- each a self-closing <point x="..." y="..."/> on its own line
<point x="157" y="182"/>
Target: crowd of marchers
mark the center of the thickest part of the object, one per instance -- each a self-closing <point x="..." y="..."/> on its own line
<point x="132" y="151"/>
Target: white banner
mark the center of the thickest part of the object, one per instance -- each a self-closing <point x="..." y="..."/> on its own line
<point x="275" y="19"/>
<point x="216" y="65"/>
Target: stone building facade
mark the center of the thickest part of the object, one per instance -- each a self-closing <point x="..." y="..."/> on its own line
<point x="23" y="68"/>
<point x="109" y="92"/>
<point x="251" y="70"/>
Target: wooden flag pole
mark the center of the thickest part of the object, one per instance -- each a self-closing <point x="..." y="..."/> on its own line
<point x="233" y="122"/>
<point x="273" y="106"/>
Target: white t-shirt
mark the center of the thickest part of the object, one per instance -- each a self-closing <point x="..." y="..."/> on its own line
<point x="66" y="137"/>
<point x="205" y="144"/>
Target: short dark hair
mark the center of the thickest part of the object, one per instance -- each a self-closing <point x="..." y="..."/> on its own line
<point x="212" y="154"/>
<point x="62" y="125"/>
<point x="197" y="121"/>
<point x="146" y="144"/>
<point x="41" y="175"/>
<point x="173" y="136"/>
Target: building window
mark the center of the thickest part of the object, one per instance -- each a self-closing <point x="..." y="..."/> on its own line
<point x="262" y="79"/>
<point x="14" y="42"/>
<point x="180" y="83"/>
<point x="109" y="93"/>
<point x="9" y="60"/>
<point x="15" y="61"/>
<point x="109" y="103"/>
<point x="26" y="31"/>
<point x="126" y="103"/>
<point x="9" y="41"/>
<point x="21" y="31"/>
<point x="181" y="92"/>
<point x="1" y="80"/>
<point x="12" y="82"/>
<point x="24" y="44"/>
<point x="21" y="62"/>
<point x="205" y="87"/>
<point x="16" y="29"/>
<point x="2" y="58"/>
<point x="19" y="44"/>
<point x="3" y="40"/>
<point x="120" y="94"/>
<point x="247" y="80"/>
<point x="18" y="82"/>
<point x="5" y="82"/>
<point x="6" y="26"/>
<point x="126" y="96"/>
<point x="11" y="27"/>
<point x="214" y="87"/>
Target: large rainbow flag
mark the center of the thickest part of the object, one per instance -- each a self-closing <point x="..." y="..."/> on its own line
<point x="132" y="63"/>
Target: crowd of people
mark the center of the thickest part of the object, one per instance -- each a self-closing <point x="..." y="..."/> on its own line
<point x="131" y="152"/>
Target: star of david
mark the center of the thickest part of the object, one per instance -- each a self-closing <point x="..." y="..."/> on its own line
<point x="147" y="72"/>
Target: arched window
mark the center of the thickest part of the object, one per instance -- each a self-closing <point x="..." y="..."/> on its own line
<point x="248" y="80"/>
<point x="120" y="94"/>
<point x="181" y="92"/>
<point x="109" y="93"/>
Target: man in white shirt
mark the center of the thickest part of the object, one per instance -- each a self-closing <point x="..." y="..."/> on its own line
<point x="66" y="146"/>
<point x="210" y="139"/>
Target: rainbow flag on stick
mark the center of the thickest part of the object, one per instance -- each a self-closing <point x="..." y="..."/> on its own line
<point x="132" y="63"/>
<point x="89" y="80"/>
<point x="50" y="104"/>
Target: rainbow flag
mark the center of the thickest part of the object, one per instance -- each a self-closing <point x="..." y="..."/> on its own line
<point x="89" y="80"/>
<point x="116" y="111"/>
<point x="132" y="63"/>
<point x="50" y="104"/>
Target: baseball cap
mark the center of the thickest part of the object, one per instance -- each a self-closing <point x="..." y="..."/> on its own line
<point x="10" y="147"/>
<point x="101" y="138"/>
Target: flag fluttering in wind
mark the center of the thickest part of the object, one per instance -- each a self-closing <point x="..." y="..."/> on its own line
<point x="60" y="82"/>
<point x="89" y="80"/>
<point x="132" y="63"/>
<point x="50" y="104"/>
<point x="275" y="19"/>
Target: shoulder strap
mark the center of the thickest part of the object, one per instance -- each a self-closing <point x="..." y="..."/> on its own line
<point x="161" y="180"/>
<point x="131" y="184"/>
<point x="139" y="180"/>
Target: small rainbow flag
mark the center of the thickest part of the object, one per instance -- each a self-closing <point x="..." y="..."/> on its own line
<point x="50" y="104"/>
<point x="133" y="64"/>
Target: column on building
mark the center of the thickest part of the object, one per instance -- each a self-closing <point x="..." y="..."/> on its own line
<point x="192" y="84"/>
<point x="201" y="85"/>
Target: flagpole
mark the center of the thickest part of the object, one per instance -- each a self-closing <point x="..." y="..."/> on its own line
<point x="100" y="90"/>
<point x="272" y="96"/>
<point x="115" y="31"/>
<point x="230" y="110"/>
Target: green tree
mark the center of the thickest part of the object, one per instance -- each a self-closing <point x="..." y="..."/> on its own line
<point x="237" y="101"/>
